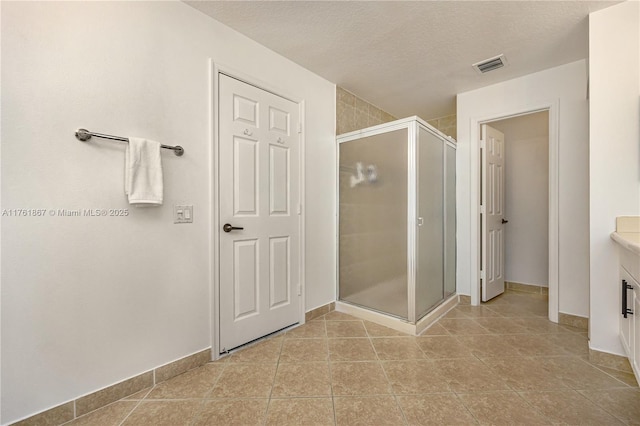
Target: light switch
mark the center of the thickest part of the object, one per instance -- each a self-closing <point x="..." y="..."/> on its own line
<point x="182" y="214"/>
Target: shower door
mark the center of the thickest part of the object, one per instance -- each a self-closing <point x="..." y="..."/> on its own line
<point x="450" y="220"/>
<point x="429" y="289"/>
<point x="373" y="222"/>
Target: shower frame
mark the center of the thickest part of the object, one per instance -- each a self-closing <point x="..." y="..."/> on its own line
<point x="413" y="323"/>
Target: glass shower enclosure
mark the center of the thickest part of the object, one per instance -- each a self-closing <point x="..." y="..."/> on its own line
<point x="397" y="218"/>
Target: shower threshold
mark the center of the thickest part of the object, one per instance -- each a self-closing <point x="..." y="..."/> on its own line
<point x="396" y="323"/>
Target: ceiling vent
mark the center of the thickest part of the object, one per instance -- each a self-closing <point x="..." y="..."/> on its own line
<point x="490" y="64"/>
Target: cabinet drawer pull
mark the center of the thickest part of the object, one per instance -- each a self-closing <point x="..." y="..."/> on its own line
<point x="625" y="311"/>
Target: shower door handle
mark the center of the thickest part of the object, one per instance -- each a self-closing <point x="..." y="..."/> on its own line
<point x="228" y="228"/>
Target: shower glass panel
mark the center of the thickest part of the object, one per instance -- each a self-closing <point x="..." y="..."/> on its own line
<point x="430" y="223"/>
<point x="450" y="221"/>
<point x="396" y="224"/>
<point x="373" y="199"/>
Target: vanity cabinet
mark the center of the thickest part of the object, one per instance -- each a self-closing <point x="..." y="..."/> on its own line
<point x="630" y="307"/>
<point x="636" y="332"/>
<point x="627" y="325"/>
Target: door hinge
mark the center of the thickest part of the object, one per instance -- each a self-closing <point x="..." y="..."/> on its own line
<point x="299" y="208"/>
<point x="299" y="127"/>
<point x="299" y="290"/>
<point x="482" y="277"/>
<point x="483" y="143"/>
<point x="482" y="209"/>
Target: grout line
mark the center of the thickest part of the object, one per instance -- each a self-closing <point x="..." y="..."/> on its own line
<point x="375" y="395"/>
<point x="197" y="415"/>
<point x="130" y="412"/>
<point x="333" y="402"/>
<point x="612" y="376"/>
<point x="457" y="396"/>
<point x="386" y="376"/>
<point x="164" y="399"/>
<point x="148" y="393"/>
<point x="206" y="394"/>
<point x="215" y="382"/>
<point x="278" y="398"/>
<point x="395" y="397"/>
<point x="273" y="382"/>
<point x="604" y="372"/>
<point x="534" y="407"/>
<point x="611" y="413"/>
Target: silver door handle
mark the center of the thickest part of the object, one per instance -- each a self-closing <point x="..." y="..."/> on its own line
<point x="228" y="228"/>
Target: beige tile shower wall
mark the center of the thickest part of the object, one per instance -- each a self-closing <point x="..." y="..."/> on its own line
<point x="353" y="113"/>
<point x="447" y="125"/>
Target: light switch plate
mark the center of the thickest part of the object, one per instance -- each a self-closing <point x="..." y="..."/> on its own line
<point x="182" y="214"/>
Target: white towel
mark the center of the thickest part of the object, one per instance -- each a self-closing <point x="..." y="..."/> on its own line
<point x="143" y="172"/>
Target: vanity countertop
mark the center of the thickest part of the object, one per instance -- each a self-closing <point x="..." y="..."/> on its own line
<point x="627" y="233"/>
<point x="628" y="240"/>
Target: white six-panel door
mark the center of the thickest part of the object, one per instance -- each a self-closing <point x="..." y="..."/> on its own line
<point x="492" y="211"/>
<point x="259" y="192"/>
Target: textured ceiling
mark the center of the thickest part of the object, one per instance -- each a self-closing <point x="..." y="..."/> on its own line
<point x="412" y="57"/>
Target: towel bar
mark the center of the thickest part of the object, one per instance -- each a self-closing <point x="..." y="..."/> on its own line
<point x="84" y="135"/>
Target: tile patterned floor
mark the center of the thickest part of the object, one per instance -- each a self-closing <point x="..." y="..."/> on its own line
<point x="501" y="363"/>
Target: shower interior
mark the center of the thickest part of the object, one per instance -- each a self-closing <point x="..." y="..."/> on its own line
<point x="396" y="228"/>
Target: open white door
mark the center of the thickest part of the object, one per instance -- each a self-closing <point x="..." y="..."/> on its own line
<point x="492" y="213"/>
<point x="259" y="190"/>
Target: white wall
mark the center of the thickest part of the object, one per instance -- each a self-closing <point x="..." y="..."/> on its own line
<point x="565" y="85"/>
<point x="87" y="302"/>
<point x="526" y="198"/>
<point x="614" y="45"/>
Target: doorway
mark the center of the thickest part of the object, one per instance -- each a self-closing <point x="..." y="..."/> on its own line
<point x="553" y="107"/>
<point x="515" y="210"/>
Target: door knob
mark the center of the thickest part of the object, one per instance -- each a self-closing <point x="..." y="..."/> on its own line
<point x="505" y="221"/>
<point x="228" y="228"/>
